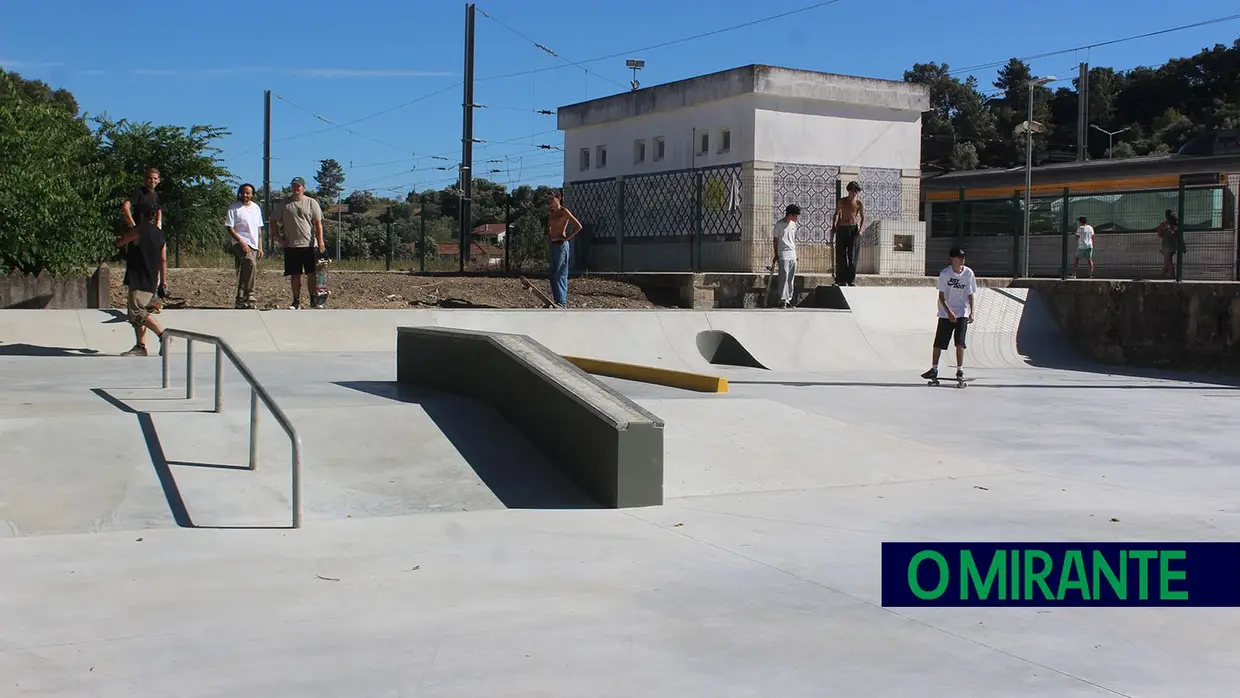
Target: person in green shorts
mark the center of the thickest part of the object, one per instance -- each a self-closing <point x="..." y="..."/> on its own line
<point x="1084" y="245"/>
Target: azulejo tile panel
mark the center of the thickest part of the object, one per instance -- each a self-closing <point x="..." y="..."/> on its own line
<point x="812" y="187"/>
<point x="881" y="191"/>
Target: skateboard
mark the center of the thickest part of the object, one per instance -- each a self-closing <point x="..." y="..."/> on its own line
<point x="318" y="299"/>
<point x="960" y="382"/>
<point x="771" y="275"/>
<point x="547" y="302"/>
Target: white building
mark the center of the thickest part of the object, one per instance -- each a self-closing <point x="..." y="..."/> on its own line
<point x="738" y="146"/>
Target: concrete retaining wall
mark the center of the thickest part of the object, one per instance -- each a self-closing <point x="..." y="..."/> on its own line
<point x="22" y="291"/>
<point x="606" y="443"/>
<point x="1191" y="326"/>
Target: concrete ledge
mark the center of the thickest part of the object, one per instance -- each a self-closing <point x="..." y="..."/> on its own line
<point x="650" y="374"/>
<point x="606" y="443"/>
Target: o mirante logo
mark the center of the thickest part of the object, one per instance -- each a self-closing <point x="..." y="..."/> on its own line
<point x="1061" y="574"/>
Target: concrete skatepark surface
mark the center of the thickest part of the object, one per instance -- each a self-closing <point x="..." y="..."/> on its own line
<point x="441" y="555"/>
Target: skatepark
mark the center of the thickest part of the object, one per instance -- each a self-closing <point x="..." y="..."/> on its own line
<point x="442" y="552"/>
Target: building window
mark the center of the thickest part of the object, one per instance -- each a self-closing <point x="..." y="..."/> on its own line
<point x="703" y="142"/>
<point x="639" y="151"/>
<point x="725" y="140"/>
<point x="585" y="159"/>
<point x="600" y="157"/>
<point x="658" y="148"/>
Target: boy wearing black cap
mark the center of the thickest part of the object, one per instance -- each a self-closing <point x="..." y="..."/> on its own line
<point x="957" y="285"/>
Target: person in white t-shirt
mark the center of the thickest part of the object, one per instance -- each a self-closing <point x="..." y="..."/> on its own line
<point x="785" y="238"/>
<point x="957" y="285"/>
<point x="1084" y="245"/>
<point x="245" y="224"/>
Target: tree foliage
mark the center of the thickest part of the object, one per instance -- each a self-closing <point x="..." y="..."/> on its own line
<point x="1163" y="107"/>
<point x="330" y="180"/>
<point x="195" y="189"/>
<point x="54" y="190"/>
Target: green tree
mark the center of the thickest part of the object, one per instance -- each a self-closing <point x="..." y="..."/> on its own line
<point x="53" y="189"/>
<point x="195" y="189"/>
<point x="330" y="180"/>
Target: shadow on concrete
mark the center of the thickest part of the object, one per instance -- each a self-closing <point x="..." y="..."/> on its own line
<point x="163" y="467"/>
<point x="20" y="349"/>
<point x="33" y="303"/>
<point x="720" y="348"/>
<point x="471" y="428"/>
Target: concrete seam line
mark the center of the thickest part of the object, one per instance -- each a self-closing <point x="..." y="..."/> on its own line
<point x="650" y="374"/>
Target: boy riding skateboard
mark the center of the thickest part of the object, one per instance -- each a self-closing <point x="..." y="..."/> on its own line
<point x="957" y="285"/>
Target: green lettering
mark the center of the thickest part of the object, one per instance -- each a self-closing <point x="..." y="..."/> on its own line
<point x="944" y="575"/>
<point x="1073" y="564"/>
<point x="1143" y="575"/>
<point x="970" y="577"/>
<point x="1015" y="575"/>
<point x="1102" y="568"/>
<point x="1038" y="577"/>
<point x="1165" y="575"/>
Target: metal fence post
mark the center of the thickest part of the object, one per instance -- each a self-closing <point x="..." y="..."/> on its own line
<point x="507" y="229"/>
<point x="695" y="259"/>
<point x="391" y="244"/>
<point x="1066" y="222"/>
<point x="1180" y="236"/>
<point x="620" y="223"/>
<point x="189" y="369"/>
<point x="1018" y="222"/>
<point x="219" y="379"/>
<point x="253" y="428"/>
<point x="422" y="238"/>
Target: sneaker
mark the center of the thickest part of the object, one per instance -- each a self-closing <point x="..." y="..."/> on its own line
<point x="296" y="305"/>
<point x="959" y="374"/>
<point x="931" y="374"/>
<point x="138" y="350"/>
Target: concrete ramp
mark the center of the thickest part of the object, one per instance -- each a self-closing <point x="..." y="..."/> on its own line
<point x="885" y="328"/>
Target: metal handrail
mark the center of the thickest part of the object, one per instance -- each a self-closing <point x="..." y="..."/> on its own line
<point x="257" y="392"/>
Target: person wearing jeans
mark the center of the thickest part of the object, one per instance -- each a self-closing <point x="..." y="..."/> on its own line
<point x="558" y="239"/>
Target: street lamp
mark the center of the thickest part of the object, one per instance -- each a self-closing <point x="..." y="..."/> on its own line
<point x="634" y="65"/>
<point x="1110" y="137"/>
<point x="1029" y="127"/>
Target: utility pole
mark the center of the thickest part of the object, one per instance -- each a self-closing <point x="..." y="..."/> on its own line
<point x="1082" y="116"/>
<point x="467" y="137"/>
<point x="267" y="165"/>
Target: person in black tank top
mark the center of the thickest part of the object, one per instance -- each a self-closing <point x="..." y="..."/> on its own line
<point x="144" y="259"/>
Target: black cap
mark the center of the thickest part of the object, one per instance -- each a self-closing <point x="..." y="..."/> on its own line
<point x="792" y="210"/>
<point x="956" y="252"/>
<point x="298" y="180"/>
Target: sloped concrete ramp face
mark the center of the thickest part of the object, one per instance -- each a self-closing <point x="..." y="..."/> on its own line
<point x="885" y="328"/>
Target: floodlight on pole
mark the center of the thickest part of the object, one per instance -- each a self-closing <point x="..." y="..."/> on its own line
<point x="635" y="65"/>
<point x="1110" y="136"/>
<point x="1029" y="127"/>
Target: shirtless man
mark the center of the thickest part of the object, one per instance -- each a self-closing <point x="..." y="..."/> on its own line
<point x="558" y="219"/>
<point x="846" y="234"/>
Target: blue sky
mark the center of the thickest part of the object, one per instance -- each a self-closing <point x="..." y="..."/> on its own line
<point x="168" y="63"/>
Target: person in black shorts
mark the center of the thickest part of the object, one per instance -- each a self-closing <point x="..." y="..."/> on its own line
<point x="144" y="259"/>
<point x="297" y="224"/>
<point x="957" y="285"/>
<point x="147" y="198"/>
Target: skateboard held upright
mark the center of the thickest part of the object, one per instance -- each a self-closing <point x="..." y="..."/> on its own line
<point x="547" y="302"/>
<point x="318" y="299"/>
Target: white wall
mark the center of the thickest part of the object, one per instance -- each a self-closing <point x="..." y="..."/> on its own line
<point x="676" y="128"/>
<point x="801" y="131"/>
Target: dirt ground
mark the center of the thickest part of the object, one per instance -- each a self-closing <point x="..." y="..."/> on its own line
<point x="216" y="288"/>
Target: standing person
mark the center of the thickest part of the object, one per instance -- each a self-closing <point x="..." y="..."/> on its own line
<point x="1168" y="243"/>
<point x="245" y="224"/>
<point x="846" y="234"/>
<point x="143" y="261"/>
<point x="785" y="238"/>
<point x="144" y="198"/>
<point x="1084" y="245"/>
<point x="558" y="218"/>
<point x="957" y="285"/>
<point x="298" y="224"/>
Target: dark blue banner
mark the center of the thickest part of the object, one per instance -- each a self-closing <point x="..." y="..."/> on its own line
<point x="1061" y="574"/>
